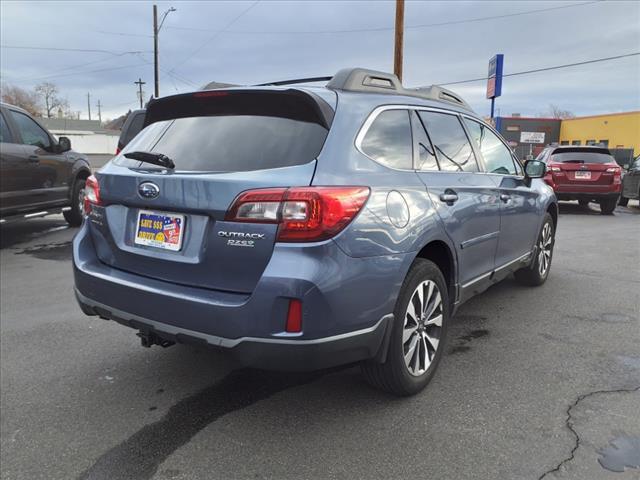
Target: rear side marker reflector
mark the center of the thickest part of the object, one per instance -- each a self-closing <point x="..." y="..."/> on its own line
<point x="294" y="317"/>
<point x="304" y="214"/>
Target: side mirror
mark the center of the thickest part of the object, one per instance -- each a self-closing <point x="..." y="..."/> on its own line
<point x="64" y="144"/>
<point x="534" y="169"/>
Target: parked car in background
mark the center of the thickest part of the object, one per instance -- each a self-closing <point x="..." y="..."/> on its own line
<point x="130" y="128"/>
<point x="587" y="174"/>
<point x="39" y="174"/>
<point x="296" y="235"/>
<point x="631" y="183"/>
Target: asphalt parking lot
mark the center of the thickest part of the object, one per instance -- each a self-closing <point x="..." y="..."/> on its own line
<point x="536" y="383"/>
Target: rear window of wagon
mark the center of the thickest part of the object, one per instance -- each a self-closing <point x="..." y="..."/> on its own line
<point x="230" y="143"/>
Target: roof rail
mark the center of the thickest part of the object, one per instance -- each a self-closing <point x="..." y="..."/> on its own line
<point x="435" y="92"/>
<point x="372" y="81"/>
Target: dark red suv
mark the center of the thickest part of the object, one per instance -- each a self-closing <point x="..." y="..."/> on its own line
<point x="586" y="174"/>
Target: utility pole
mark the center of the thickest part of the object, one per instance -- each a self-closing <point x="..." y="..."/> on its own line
<point x="156" y="31"/>
<point x="140" y="83"/>
<point x="99" y="112"/>
<point x="397" y="54"/>
<point x="155" y="54"/>
<point x="89" y="104"/>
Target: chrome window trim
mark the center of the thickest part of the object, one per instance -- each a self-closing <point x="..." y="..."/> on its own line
<point x="382" y="108"/>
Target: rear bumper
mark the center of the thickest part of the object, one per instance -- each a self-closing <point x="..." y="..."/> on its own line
<point x="265" y="353"/>
<point x="346" y="306"/>
<point x="589" y="196"/>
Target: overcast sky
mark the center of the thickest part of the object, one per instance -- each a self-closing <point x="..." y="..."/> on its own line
<point x="254" y="42"/>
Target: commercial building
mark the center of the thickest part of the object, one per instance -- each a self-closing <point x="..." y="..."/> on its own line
<point x="87" y="136"/>
<point x="620" y="132"/>
<point x="614" y="130"/>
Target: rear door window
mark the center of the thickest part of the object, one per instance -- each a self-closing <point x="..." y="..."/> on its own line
<point x="231" y="143"/>
<point x="388" y="140"/>
<point x="450" y="141"/>
<point x="426" y="157"/>
<point x="133" y="128"/>
<point x="497" y="157"/>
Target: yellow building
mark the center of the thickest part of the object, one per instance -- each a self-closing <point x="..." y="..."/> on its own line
<point x="613" y="130"/>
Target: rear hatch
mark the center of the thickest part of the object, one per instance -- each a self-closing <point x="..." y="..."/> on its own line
<point x="222" y="143"/>
<point x="582" y="166"/>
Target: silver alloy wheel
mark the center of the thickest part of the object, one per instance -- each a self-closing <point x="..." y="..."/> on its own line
<point x="80" y="201"/>
<point x="422" y="327"/>
<point x="544" y="249"/>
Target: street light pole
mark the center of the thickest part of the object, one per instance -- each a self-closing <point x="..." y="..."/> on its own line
<point x="397" y="54"/>
<point x="156" y="31"/>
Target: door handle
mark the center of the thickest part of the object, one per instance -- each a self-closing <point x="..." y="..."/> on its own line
<point x="33" y="159"/>
<point x="449" y="197"/>
<point x="504" y="197"/>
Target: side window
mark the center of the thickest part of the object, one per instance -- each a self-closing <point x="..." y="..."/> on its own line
<point x="388" y="140"/>
<point x="134" y="127"/>
<point x="426" y="156"/>
<point x="497" y="157"/>
<point x="450" y="142"/>
<point x="31" y="132"/>
<point x="5" y="134"/>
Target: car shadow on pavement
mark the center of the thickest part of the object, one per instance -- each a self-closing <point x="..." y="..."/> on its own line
<point x="25" y="230"/>
<point x="573" y="208"/>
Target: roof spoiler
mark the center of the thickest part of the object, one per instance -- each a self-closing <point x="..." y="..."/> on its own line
<point x="291" y="103"/>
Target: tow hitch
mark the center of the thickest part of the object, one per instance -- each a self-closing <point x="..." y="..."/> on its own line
<point x="148" y="339"/>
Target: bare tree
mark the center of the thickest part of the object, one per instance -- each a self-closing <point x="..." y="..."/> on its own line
<point x="554" y="111"/>
<point x="21" y="98"/>
<point x="52" y="101"/>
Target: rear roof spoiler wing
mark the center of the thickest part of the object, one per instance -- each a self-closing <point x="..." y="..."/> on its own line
<point x="290" y="103"/>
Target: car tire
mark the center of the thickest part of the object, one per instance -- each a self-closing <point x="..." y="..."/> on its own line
<point x="421" y="340"/>
<point x="536" y="273"/>
<point x="583" y="203"/>
<point x="75" y="215"/>
<point x="624" y="201"/>
<point x="608" y="206"/>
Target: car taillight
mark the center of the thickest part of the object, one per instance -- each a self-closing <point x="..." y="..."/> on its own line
<point x="613" y="170"/>
<point x="118" y="150"/>
<point x="554" y="169"/>
<point x="91" y="194"/>
<point x="304" y="214"/>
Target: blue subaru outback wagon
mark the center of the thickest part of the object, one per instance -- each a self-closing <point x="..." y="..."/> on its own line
<point x="299" y="227"/>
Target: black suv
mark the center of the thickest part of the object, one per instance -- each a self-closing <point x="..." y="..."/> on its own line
<point x="38" y="174"/>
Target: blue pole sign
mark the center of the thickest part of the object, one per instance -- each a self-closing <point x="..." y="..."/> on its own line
<point x="494" y="82"/>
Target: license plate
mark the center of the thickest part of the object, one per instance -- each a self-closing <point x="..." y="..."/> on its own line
<point x="160" y="230"/>
<point x="583" y="175"/>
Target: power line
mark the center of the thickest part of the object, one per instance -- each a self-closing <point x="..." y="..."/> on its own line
<point x="197" y="50"/>
<point x="85" y="50"/>
<point x="544" y="69"/>
<point x="383" y="29"/>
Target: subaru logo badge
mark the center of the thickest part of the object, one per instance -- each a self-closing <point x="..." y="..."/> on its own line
<point x="148" y="190"/>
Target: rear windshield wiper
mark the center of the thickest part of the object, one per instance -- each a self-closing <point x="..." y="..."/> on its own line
<point x="155" y="158"/>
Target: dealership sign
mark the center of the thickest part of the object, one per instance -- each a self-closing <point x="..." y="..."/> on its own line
<point x="531" y="137"/>
<point x="494" y="80"/>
